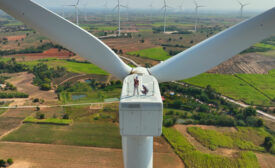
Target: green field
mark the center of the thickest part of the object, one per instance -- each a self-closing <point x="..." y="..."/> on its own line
<point x="263" y="82"/>
<point x="80" y="134"/>
<point x="214" y="139"/>
<point x="196" y="159"/>
<point x="267" y="46"/>
<point x="70" y="66"/>
<point x="235" y="88"/>
<point x="13" y="23"/>
<point x="92" y="96"/>
<point x="152" y="53"/>
<point x="55" y="121"/>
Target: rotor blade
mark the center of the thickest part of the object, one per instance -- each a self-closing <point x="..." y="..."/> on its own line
<point x="77" y="3"/>
<point x="67" y="34"/>
<point x="216" y="49"/>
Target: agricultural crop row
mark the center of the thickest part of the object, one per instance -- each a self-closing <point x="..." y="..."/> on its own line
<point x="213" y="139"/>
<point x="196" y="159"/>
<point x="257" y="89"/>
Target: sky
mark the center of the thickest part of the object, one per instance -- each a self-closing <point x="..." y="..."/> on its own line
<point x="220" y="5"/>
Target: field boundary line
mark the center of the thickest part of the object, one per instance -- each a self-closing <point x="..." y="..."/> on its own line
<point x="253" y="86"/>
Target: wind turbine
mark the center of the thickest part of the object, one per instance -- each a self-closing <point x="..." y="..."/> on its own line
<point x="141" y="116"/>
<point x="242" y="6"/>
<point x="197" y="6"/>
<point x="118" y="6"/>
<point x="106" y="9"/>
<point x="76" y="10"/>
<point x="164" y="7"/>
<point x="151" y="6"/>
<point x="181" y="7"/>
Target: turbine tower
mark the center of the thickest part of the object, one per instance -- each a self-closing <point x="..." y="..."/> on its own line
<point x="76" y="10"/>
<point x="151" y="6"/>
<point x="164" y="7"/>
<point x="141" y="114"/>
<point x="241" y="9"/>
<point x="197" y="6"/>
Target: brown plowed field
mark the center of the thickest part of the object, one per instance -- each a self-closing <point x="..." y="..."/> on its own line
<point x="51" y="53"/>
<point x="27" y="155"/>
<point x="14" y="38"/>
<point x="252" y="63"/>
<point x="23" y="82"/>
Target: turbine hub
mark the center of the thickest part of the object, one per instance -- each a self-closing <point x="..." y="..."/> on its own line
<point x="140" y="70"/>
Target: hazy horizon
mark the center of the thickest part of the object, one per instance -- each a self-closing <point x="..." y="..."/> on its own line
<point x="210" y="5"/>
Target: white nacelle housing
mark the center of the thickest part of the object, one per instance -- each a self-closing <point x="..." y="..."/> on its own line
<point x="140" y="115"/>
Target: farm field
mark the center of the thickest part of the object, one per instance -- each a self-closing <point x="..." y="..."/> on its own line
<point x="194" y="158"/>
<point x="152" y="53"/>
<point x="84" y="97"/>
<point x="11" y="119"/>
<point x="254" y="135"/>
<point x="78" y="134"/>
<point x="214" y="139"/>
<point x="238" y="89"/>
<point x="29" y="155"/>
<point x="88" y="135"/>
<point x="263" y="82"/>
<point x="75" y="67"/>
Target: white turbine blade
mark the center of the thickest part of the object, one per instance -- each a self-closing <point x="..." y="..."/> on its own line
<point x="216" y="49"/>
<point x="77" y="3"/>
<point x="67" y="34"/>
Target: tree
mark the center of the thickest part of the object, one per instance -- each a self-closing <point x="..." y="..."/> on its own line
<point x="10" y="161"/>
<point x="249" y="112"/>
<point x="2" y="163"/>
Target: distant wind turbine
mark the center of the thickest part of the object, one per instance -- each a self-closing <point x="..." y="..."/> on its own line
<point x="165" y="6"/>
<point x="106" y="9"/>
<point x="118" y="6"/>
<point x="241" y="9"/>
<point x="151" y="6"/>
<point x="197" y="6"/>
<point x="181" y="7"/>
<point x="76" y="11"/>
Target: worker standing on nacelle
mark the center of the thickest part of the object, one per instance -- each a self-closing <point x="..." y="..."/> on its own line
<point x="136" y="86"/>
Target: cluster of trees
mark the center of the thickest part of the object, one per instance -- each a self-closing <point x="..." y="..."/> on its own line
<point x="206" y="107"/>
<point x="173" y="45"/>
<point x="9" y="87"/>
<point x="168" y="28"/>
<point x="247" y="117"/>
<point x="85" y="87"/>
<point x="44" y="75"/>
<point x="3" y="79"/>
<point x="13" y="95"/>
<point x="269" y="144"/>
<point x="77" y="61"/>
<point x="38" y="49"/>
<point x="7" y="163"/>
<point x="11" y="66"/>
<point x="117" y="51"/>
<point x="253" y="49"/>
